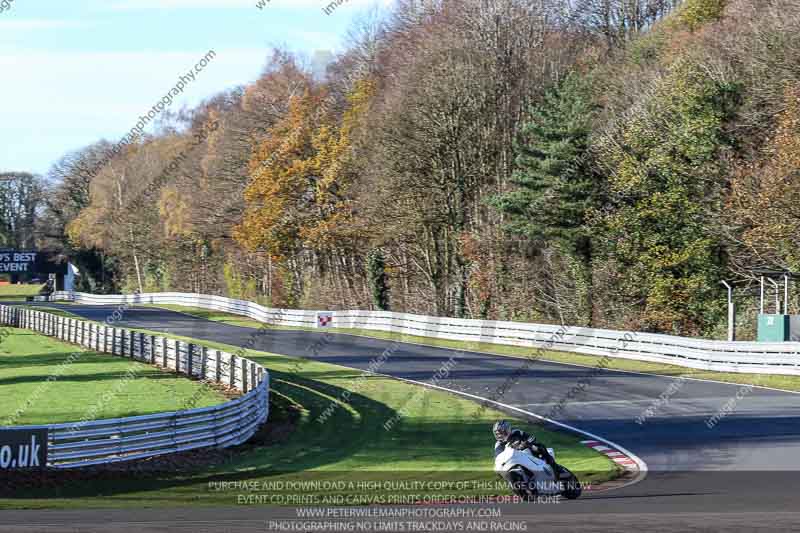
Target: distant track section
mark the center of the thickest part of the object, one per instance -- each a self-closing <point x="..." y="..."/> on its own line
<point x="720" y="356"/>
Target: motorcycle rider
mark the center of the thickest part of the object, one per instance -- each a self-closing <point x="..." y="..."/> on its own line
<point x="520" y="440"/>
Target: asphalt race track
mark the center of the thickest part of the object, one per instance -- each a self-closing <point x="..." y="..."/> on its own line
<point x="739" y="474"/>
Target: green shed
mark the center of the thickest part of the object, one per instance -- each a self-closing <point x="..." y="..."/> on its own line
<point x="773" y="328"/>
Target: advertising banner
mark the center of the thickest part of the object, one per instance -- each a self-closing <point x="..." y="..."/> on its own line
<point x="23" y="449"/>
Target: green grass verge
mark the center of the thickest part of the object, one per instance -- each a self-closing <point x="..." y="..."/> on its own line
<point x="84" y="384"/>
<point x="789" y="383"/>
<point x="438" y="436"/>
<point x="18" y="292"/>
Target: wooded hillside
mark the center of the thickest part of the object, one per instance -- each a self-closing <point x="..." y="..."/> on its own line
<point x="602" y="162"/>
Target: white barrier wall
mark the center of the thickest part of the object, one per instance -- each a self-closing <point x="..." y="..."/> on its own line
<point x="723" y="356"/>
<point x="86" y="443"/>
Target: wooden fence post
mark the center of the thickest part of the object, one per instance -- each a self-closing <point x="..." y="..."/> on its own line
<point x="190" y="359"/>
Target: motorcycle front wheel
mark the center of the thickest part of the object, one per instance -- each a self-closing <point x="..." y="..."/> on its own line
<point x="572" y="487"/>
<point x="520" y="486"/>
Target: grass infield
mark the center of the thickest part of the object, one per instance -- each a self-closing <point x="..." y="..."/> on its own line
<point x="83" y="384"/>
<point x="326" y="443"/>
<point x="17" y="293"/>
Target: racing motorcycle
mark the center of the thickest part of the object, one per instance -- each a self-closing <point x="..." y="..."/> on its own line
<point x="529" y="476"/>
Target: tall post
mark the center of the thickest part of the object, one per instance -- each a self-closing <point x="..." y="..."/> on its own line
<point x="786" y="294"/>
<point x="761" y="308"/>
<point x="777" y="299"/>
<point x="731" y="313"/>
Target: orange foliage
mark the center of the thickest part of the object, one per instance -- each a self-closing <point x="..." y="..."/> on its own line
<point x="300" y="176"/>
<point x="766" y="197"/>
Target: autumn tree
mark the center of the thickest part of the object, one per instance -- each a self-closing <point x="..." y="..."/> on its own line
<point x="21" y="196"/>
<point x="765" y="198"/>
<point x="69" y="194"/>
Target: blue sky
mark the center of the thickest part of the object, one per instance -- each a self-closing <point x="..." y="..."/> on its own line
<point x="75" y="71"/>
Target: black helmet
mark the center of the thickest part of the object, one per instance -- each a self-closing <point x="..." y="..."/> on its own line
<point x="501" y="430"/>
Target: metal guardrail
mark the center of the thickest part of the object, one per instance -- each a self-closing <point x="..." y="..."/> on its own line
<point x="95" y="442"/>
<point x="722" y="356"/>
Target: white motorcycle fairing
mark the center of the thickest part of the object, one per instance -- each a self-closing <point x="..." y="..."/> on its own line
<point x="510" y="459"/>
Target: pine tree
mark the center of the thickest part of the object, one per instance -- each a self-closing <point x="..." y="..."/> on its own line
<point x="556" y="186"/>
<point x="378" y="282"/>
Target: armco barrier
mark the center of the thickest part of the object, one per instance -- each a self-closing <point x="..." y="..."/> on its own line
<point x="105" y="441"/>
<point x="723" y="356"/>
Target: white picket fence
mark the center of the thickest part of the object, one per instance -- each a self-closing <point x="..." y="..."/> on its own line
<point x="723" y="356"/>
<point x="86" y="443"/>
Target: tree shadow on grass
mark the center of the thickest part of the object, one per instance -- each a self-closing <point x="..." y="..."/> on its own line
<point x="94" y="377"/>
<point x="55" y="359"/>
<point x="312" y="444"/>
<point x="436" y="445"/>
